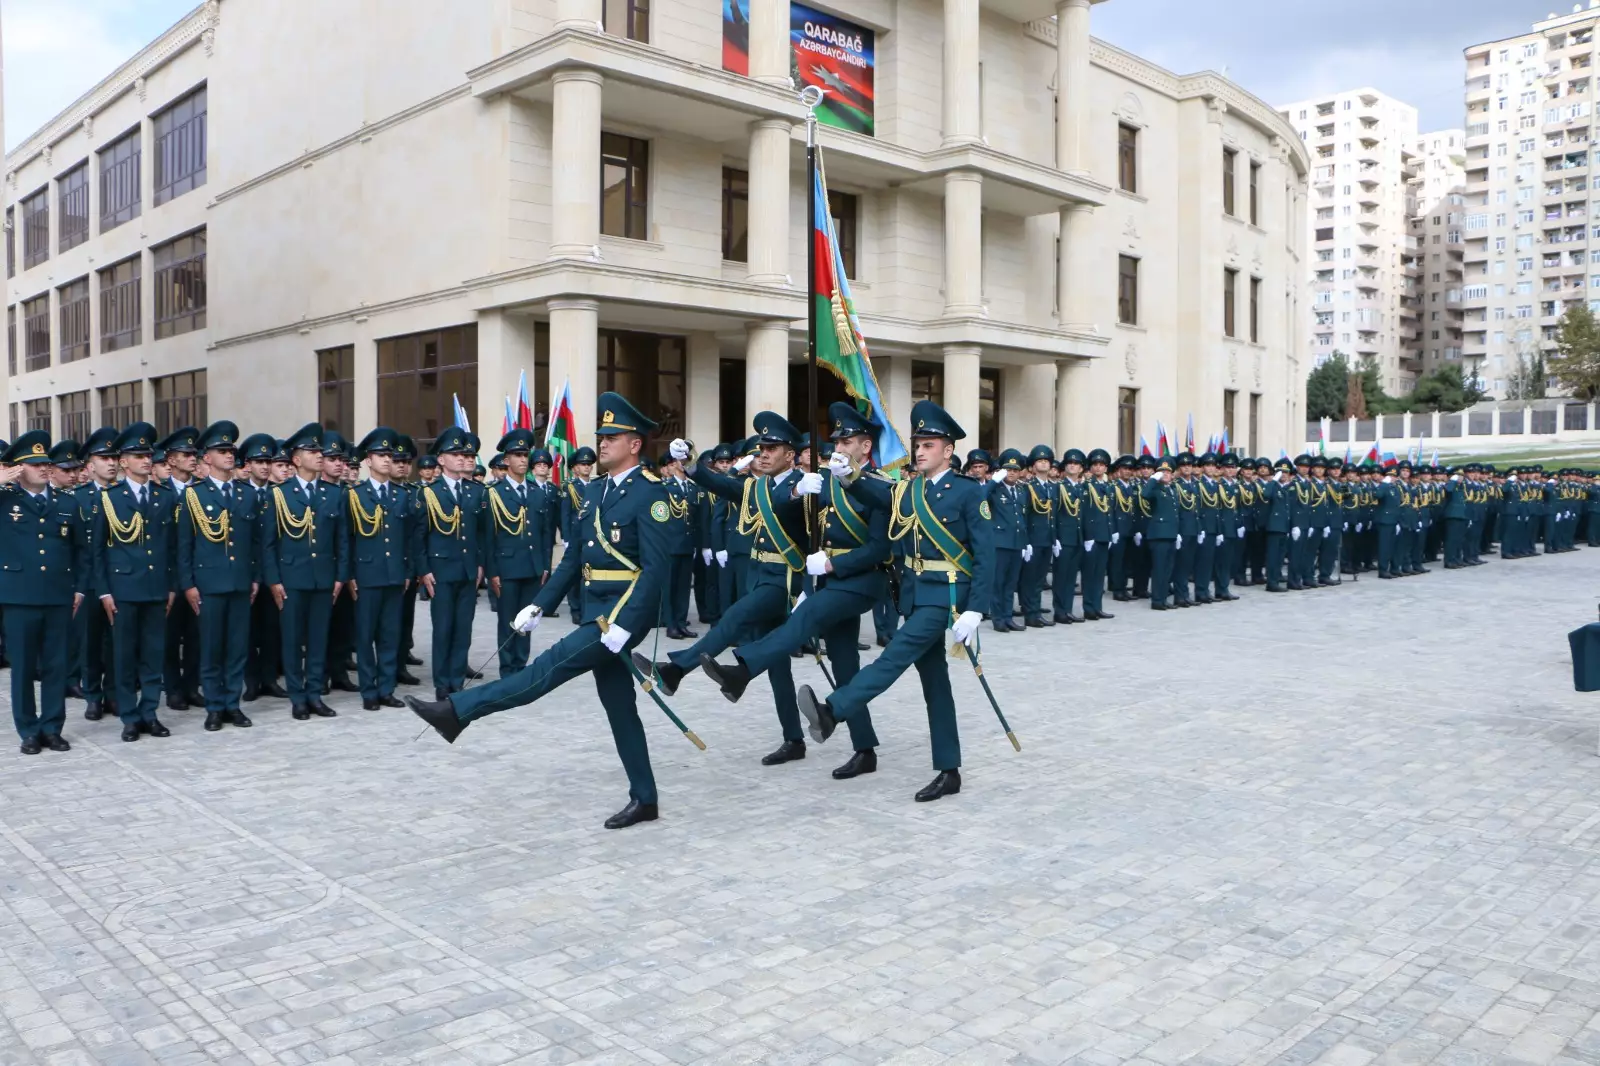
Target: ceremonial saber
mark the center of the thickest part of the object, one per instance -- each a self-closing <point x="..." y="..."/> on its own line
<point x="650" y="690"/>
<point x="514" y="634"/>
<point x="960" y="652"/>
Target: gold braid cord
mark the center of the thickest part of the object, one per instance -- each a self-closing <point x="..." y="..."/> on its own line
<point x="900" y="524"/>
<point x="366" y="524"/>
<point x="749" y="516"/>
<point x="511" y="524"/>
<point x="122" y="532"/>
<point x="1101" y="503"/>
<point x="288" y="525"/>
<point x="446" y="525"/>
<point x="1068" y="504"/>
<point x="215" y="530"/>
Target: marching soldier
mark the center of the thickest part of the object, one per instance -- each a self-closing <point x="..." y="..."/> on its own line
<point x="623" y="563"/>
<point x="135" y="551"/>
<point x="92" y="629"/>
<point x="515" y="528"/>
<point x="258" y="452"/>
<point x="181" y="669"/>
<point x="447" y="549"/>
<point x="219" y="572"/>
<point x="378" y="517"/>
<point x="947" y="518"/>
<point x="305" y="567"/>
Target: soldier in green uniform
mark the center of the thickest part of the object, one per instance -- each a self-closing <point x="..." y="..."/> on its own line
<point x="1209" y="513"/>
<point x="1186" y="542"/>
<point x="1278" y="500"/>
<point x="1008" y="502"/>
<point x="1124" y="517"/>
<point x="680" y="501"/>
<point x="1038" y="511"/>
<point x="401" y="465"/>
<point x="181" y="670"/>
<point x="91" y="629"/>
<point x="378" y="519"/>
<point x="265" y="657"/>
<point x="516" y="532"/>
<point x="622" y="559"/>
<point x="947" y="519"/>
<point x="1160" y="498"/>
<point x="1230" y="527"/>
<point x="1456" y="525"/>
<point x="1067" y="549"/>
<point x="447" y="554"/>
<point x="1099" y="530"/>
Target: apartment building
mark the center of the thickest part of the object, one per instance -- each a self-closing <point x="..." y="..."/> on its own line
<point x="1531" y="249"/>
<point x="1435" y="251"/>
<point x="1058" y="240"/>
<point x="1360" y="144"/>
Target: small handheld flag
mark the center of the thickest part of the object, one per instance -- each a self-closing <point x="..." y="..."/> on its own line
<point x="1188" y="435"/>
<point x="461" y="420"/>
<point x="561" y="434"/>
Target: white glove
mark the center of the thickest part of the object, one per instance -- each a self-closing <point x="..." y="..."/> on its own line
<point x="1088" y="545"/>
<point x="1027" y="553"/>
<point x="1202" y="538"/>
<point x="965" y="628"/>
<point x="839" y="464"/>
<point x="1154" y="474"/>
<point x="1115" y="537"/>
<point x="798" y="601"/>
<point x="1397" y="529"/>
<point x="527" y="619"/>
<point x="743" y="461"/>
<point x="1326" y="531"/>
<point x="1138" y="538"/>
<point x="615" y="638"/>
<point x="1177" y="544"/>
<point x="1055" y="550"/>
<point x="1241" y="532"/>
<point x="722" y="558"/>
<point x="810" y="484"/>
<point x="1388" y="479"/>
<point x="817" y="564"/>
<point x="1222" y="538"/>
<point x="1455" y="477"/>
<point x="705" y="556"/>
<point x="998" y="476"/>
<point x="1295" y="533"/>
<point x="1511" y="477"/>
<point x="1345" y="528"/>
<point x="679" y="449"/>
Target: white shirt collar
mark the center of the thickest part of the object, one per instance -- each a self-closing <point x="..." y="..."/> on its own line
<point x="376" y="486"/>
<point x="305" y="486"/>
<point x="777" y="479"/>
<point x="618" y="479"/>
<point x="179" y="482"/>
<point x="451" y="483"/>
<point x="219" y="483"/>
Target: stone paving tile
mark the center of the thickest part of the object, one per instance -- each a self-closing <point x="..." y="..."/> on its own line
<point x="1356" y="827"/>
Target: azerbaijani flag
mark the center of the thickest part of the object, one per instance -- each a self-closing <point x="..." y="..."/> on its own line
<point x="1373" y="454"/>
<point x="1188" y="435"/>
<point x="1388" y="460"/>
<point x="1346" y="453"/>
<point x="1163" y="444"/>
<point x="1144" y="446"/>
<point x="561" y="435"/>
<point x="508" y="421"/>
<point x="841" y="346"/>
<point x="522" y="415"/>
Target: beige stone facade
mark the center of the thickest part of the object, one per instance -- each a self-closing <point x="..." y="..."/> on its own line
<point x="403" y="207"/>
<point x="1435" y="252"/>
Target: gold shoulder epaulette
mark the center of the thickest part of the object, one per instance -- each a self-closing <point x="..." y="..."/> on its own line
<point x="648" y="476"/>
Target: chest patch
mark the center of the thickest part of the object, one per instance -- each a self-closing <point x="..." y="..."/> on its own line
<point x="983" y="510"/>
<point x="658" y="511"/>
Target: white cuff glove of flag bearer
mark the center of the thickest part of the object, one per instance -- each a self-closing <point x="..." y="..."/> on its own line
<point x="817" y="564"/>
<point x="839" y="464"/>
<point x="998" y="476"/>
<point x="1201" y="539"/>
<point x="705" y="556"/>
<point x="615" y="638"/>
<point x="1295" y="533"/>
<point x="1027" y="553"/>
<point x="722" y="558"/>
<point x="1138" y="538"/>
<point x="810" y="484"/>
<point x="743" y="461"/>
<point x="527" y="619"/>
<point x="965" y="629"/>
<point x="679" y="449"/>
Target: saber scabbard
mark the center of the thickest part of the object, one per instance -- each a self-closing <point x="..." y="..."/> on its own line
<point x="960" y="652"/>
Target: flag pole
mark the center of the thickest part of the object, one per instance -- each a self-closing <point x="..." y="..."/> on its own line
<point x="811" y="96"/>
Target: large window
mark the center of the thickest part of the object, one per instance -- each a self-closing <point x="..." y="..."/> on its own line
<point x="1229" y="159"/>
<point x="11" y="242"/>
<point x="36" y="414"/>
<point x="180" y="139"/>
<point x="181" y="286"/>
<point x="73" y="300"/>
<point x="649" y="370"/>
<point x="1230" y="282"/>
<point x="627" y="18"/>
<point x="336" y="389"/>
<point x="417" y="376"/>
<point x="1255" y="201"/>
<point x="119" y="182"/>
<point x="75" y="416"/>
<point x="1128" y="290"/>
<point x="36" y="228"/>
<point x="122" y="405"/>
<point x="1127" y="420"/>
<point x="11" y="341"/>
<point x="180" y="401"/>
<point x="72" y="196"/>
<point x="735" y="215"/>
<point x="1127" y="158"/>
<point x="845" y="208"/>
<point x="624" y="186"/>
<point x="1255" y="423"/>
<point x="1230" y="399"/>
<point x="36" y="332"/>
<point x="1255" y="310"/>
<point x="927" y="382"/>
<point x="121" y="305"/>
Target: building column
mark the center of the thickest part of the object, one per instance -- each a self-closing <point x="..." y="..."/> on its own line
<point x="365" y="360"/>
<point x="1033" y="405"/>
<point x="963" y="117"/>
<point x="894" y="379"/>
<point x="578" y="15"/>
<point x="1072" y="85"/>
<point x="1075" y="287"/>
<point x="702" y="389"/>
<point x="574" y="347"/>
<point x="1072" y="405"/>
<point x="961" y="365"/>
<point x="575" y="165"/>
<point x="769" y="201"/>
<point x="769" y="44"/>
<point x="505" y="350"/>
<point x="766" y="371"/>
<point x="1040" y="232"/>
<point x="963" y="243"/>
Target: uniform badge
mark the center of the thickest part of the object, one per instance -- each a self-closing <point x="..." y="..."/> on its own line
<point x="983" y="509"/>
<point x="658" y="511"/>
<point x="616" y="535"/>
<point x="63" y="531"/>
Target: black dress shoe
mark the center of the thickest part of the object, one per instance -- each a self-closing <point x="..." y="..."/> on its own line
<point x="862" y="645"/>
<point x="369" y="705"/>
<point x="1276" y="588"/>
<point x="30" y="746"/>
<point x="406" y="677"/>
<point x="1047" y="622"/>
<point x="1120" y="597"/>
<point x="948" y="783"/>
<point x="669" y="675"/>
<point x="632" y="814"/>
<point x="156" y="729"/>
<point x="342" y="682"/>
<point x="55" y="742"/>
<point x="130" y="733"/>
<point x="883" y="642"/>
<point x="389" y="701"/>
<point x="412" y="660"/>
<point x="321" y="710"/>
<point x="196" y="699"/>
<point x="442" y="716"/>
<point x="1385" y="577"/>
<point x="1228" y="596"/>
<point x="862" y="762"/>
<point x="74" y="692"/>
<point x="788" y="751"/>
<point x="818" y="715"/>
<point x="1034" y="623"/>
<point x="474" y="675"/>
<point x="1098" y="616"/>
<point x="252" y="693"/>
<point x="213" y="721"/>
<point x="1204" y="599"/>
<point x="275" y="690"/>
<point x="93" y="712"/>
<point x="688" y="634"/>
<point x="299" y="713"/>
<point x="240" y="719"/>
<point x="1161" y="606"/>
<point x="732" y="680"/>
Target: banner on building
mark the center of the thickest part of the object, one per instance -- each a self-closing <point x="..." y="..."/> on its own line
<point x="829" y="52"/>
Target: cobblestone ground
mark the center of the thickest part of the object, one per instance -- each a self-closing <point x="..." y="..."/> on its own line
<point x="1357" y="825"/>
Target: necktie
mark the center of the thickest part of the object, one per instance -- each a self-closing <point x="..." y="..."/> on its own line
<point x="605" y="492"/>
<point x="227" y="491"/>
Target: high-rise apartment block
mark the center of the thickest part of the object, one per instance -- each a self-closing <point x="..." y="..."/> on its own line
<point x="1360" y="143"/>
<point x="1531" y="250"/>
<point x="1435" y="249"/>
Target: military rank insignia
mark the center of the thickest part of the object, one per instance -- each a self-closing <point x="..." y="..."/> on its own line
<point x="658" y="511"/>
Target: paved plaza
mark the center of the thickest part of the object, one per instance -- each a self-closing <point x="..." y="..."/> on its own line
<point x="1350" y="826"/>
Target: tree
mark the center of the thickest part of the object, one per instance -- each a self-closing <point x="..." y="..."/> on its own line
<point x="1577" y="362"/>
<point x="1446" y="389"/>
<point x="1326" y="387"/>
<point x="1526" y="381"/>
<point x="1355" y="398"/>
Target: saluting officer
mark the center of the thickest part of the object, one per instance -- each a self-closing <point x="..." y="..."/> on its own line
<point x="1160" y="499"/>
<point x="305" y="566"/>
<point x="92" y="630"/>
<point x="447" y="549"/>
<point x="1276" y="496"/>
<point x="134" y="544"/>
<point x="515" y="528"/>
<point x="44" y="545"/>
<point x="219" y="572"/>
<point x="181" y="668"/>
<point x="622" y="559"/>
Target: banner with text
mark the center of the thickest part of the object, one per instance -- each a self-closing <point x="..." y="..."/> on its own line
<point x="832" y="53"/>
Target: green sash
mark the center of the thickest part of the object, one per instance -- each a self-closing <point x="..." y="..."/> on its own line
<point x="852" y="522"/>
<point x="792" y="555"/>
<point x="951" y="548"/>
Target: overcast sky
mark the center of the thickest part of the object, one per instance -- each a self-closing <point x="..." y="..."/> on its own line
<point x="1281" y="50"/>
